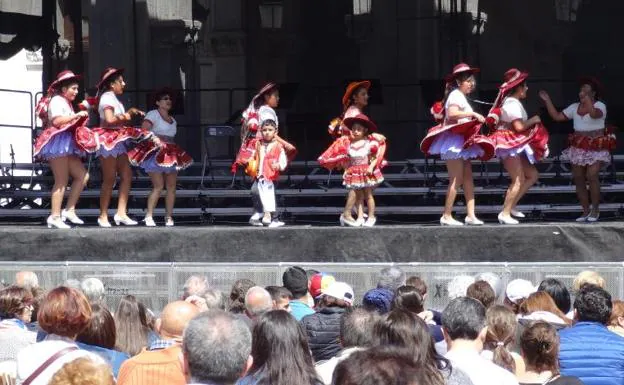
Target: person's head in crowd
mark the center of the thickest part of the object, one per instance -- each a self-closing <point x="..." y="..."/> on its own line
<point x="379" y="300"/>
<point x="391" y="278"/>
<point x="419" y="284"/>
<point x="616" y="321"/>
<point x="458" y="286"/>
<point x="26" y="279"/>
<point x="406" y="330"/>
<point x="517" y="291"/>
<point x="101" y="330"/>
<point x="280" y="351"/>
<point x="174" y="318"/>
<point x="73" y="283"/>
<point x="338" y="294"/>
<point x="64" y="312"/>
<point x="482" y="292"/>
<point x="132" y="331"/>
<point x="216" y="348"/>
<point x="16" y="302"/>
<point x="588" y="277"/>
<point x="317" y="283"/>
<point x="383" y="365"/>
<point x="356" y="327"/>
<point x="592" y="304"/>
<point x="464" y="321"/>
<point x="496" y="283"/>
<point x="38" y="294"/>
<point x="83" y="371"/>
<point x="257" y="302"/>
<point x="295" y="280"/>
<point x="93" y="288"/>
<point x="280" y="297"/>
<point x="539" y="347"/>
<point x="237" y="295"/>
<point x="215" y="299"/>
<point x="408" y="298"/>
<point x="540" y="301"/>
<point x="311" y="272"/>
<point x="195" y="285"/>
<point x="147" y="317"/>
<point x="558" y="292"/>
<point x="501" y="331"/>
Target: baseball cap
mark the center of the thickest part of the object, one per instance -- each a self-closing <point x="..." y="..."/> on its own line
<point x="340" y="290"/>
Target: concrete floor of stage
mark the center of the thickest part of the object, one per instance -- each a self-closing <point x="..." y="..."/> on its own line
<point x="535" y="242"/>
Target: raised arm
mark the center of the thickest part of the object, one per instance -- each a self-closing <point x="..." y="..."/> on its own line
<point x="557" y="116"/>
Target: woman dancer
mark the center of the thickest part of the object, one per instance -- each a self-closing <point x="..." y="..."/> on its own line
<point x="115" y="139"/>
<point x="590" y="144"/>
<point x="63" y="142"/>
<point x="160" y="157"/>
<point x="457" y="141"/>
<point x="520" y="142"/>
<point x="263" y="103"/>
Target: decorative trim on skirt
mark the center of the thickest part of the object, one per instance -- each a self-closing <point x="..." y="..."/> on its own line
<point x="60" y="145"/>
<point x="357" y="177"/>
<point x="451" y="146"/>
<point x="580" y="157"/>
<point x="457" y="141"/>
<point x="71" y="139"/>
<point x="337" y="154"/>
<point x="166" y="158"/>
<point x="533" y="143"/>
<point x="113" y="142"/>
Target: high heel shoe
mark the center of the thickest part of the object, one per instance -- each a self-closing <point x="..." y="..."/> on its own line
<point x="517" y="214"/>
<point x="348" y="222"/>
<point x="72" y="217"/>
<point x="124" y="220"/>
<point x="149" y="222"/>
<point x="450" y="222"/>
<point x="103" y="223"/>
<point x="593" y="218"/>
<point x="56" y="222"/>
<point x="583" y="218"/>
<point x="168" y="222"/>
<point x="506" y="220"/>
<point x="473" y="221"/>
<point x="370" y="222"/>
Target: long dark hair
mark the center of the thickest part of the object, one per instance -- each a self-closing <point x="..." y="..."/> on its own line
<point x="280" y="351"/>
<point x="101" y="330"/>
<point x="131" y="330"/>
<point x="405" y="329"/>
<point x="408" y="298"/>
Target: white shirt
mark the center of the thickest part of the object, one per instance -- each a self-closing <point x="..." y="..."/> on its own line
<point x="159" y="125"/>
<point x="512" y="109"/>
<point x="33" y="356"/>
<point x="108" y="100"/>
<point x="480" y="370"/>
<point x="264" y="113"/>
<point x="59" y="106"/>
<point x="586" y="122"/>
<point x="458" y="99"/>
<point x="325" y="369"/>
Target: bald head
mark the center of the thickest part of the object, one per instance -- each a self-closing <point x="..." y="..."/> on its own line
<point x="26" y="279"/>
<point x="174" y="318"/>
<point x="257" y="302"/>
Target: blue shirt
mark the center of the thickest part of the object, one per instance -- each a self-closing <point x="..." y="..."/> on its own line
<point x="299" y="309"/>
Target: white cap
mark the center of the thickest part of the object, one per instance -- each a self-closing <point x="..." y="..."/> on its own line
<point x="340" y="290"/>
<point x="519" y="289"/>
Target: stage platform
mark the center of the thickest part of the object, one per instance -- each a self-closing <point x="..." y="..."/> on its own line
<point x="533" y="242"/>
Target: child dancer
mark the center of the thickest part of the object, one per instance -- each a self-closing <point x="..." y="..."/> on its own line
<point x="269" y="160"/>
<point x="363" y="173"/>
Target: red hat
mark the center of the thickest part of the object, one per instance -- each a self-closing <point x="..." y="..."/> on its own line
<point x="319" y="282"/>
<point x="361" y="119"/>
<point x="595" y="84"/>
<point x="512" y="78"/>
<point x="461" y="68"/>
<point x="351" y="88"/>
<point x="107" y="74"/>
<point x="62" y="77"/>
<point x="264" y="90"/>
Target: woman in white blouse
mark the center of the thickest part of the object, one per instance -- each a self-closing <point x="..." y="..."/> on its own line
<point x="160" y="157"/>
<point x="62" y="144"/>
<point x="520" y="141"/>
<point x="590" y="145"/>
<point x="115" y="138"/>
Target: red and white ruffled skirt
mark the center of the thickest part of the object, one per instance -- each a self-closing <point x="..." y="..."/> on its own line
<point x="164" y="158"/>
<point x="458" y="141"/>
<point x="532" y="143"/>
<point x="356" y="177"/>
<point x="585" y="150"/>
<point x="337" y="154"/>
<point x="71" y="139"/>
<point x="116" y="141"/>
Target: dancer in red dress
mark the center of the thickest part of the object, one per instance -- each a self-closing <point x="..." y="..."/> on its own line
<point x="115" y="138"/>
<point x="590" y="144"/>
<point x="63" y="142"/>
<point x="457" y="141"/>
<point x="160" y="157"/>
<point x="520" y="142"/>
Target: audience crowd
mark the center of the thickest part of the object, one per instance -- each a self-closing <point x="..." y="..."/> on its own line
<point x="314" y="331"/>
